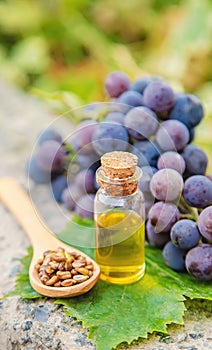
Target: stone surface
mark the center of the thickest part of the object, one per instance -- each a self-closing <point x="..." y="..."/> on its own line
<point x="40" y="324"/>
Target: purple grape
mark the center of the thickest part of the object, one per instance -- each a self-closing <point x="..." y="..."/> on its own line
<point x="149" y="200"/>
<point x="196" y="160"/>
<point x="71" y="195"/>
<point x="141" y="123"/>
<point x="87" y="161"/>
<point x="172" y="160"/>
<point x="140" y="84"/>
<point x="156" y="239"/>
<point x="110" y="137"/>
<point x="174" y="257"/>
<point x="147" y="153"/>
<point x="67" y="199"/>
<point x="85" y="206"/>
<point x="116" y="83"/>
<point x="172" y="135"/>
<point x="205" y="223"/>
<point x="188" y="110"/>
<point x="57" y="187"/>
<point x="198" y="191"/>
<point x="166" y="185"/>
<point x="185" y="234"/>
<point x="199" y="262"/>
<point x="163" y="216"/>
<point x="147" y="173"/>
<point x="85" y="180"/>
<point x="82" y="141"/>
<point x="159" y="96"/>
<point x="49" y="134"/>
<point x="50" y="156"/>
<point x="95" y="166"/>
<point x="36" y="173"/>
<point x="90" y="111"/>
<point x="82" y="162"/>
<point x="115" y="117"/>
<point x="115" y="106"/>
<point x="131" y="98"/>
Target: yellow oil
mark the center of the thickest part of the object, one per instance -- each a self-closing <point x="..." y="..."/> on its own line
<point x="120" y="246"/>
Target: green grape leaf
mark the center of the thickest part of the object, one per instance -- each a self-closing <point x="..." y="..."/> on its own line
<point x="115" y="314"/>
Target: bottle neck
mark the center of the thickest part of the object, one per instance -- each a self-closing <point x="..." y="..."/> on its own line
<point x="116" y="186"/>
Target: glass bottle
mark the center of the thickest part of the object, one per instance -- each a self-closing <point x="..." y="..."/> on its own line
<point x="119" y="219"/>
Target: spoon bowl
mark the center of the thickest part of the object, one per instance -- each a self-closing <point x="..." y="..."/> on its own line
<point x="19" y="204"/>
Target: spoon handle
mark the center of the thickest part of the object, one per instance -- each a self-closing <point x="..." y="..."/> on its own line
<point x="19" y="204"/>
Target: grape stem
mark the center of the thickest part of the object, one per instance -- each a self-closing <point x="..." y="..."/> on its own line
<point x="187" y="216"/>
<point x="188" y="212"/>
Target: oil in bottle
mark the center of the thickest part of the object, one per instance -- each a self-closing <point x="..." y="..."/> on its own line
<point x="120" y="246"/>
<point x="119" y="224"/>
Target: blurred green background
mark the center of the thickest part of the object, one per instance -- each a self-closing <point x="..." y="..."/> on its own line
<point x="61" y="50"/>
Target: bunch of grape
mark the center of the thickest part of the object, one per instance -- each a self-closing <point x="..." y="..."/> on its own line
<point x="157" y="124"/>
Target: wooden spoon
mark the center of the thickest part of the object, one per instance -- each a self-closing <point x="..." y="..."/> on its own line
<point x="42" y="239"/>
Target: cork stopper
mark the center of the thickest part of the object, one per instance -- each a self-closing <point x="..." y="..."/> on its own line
<point x="119" y="174"/>
<point x="119" y="165"/>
